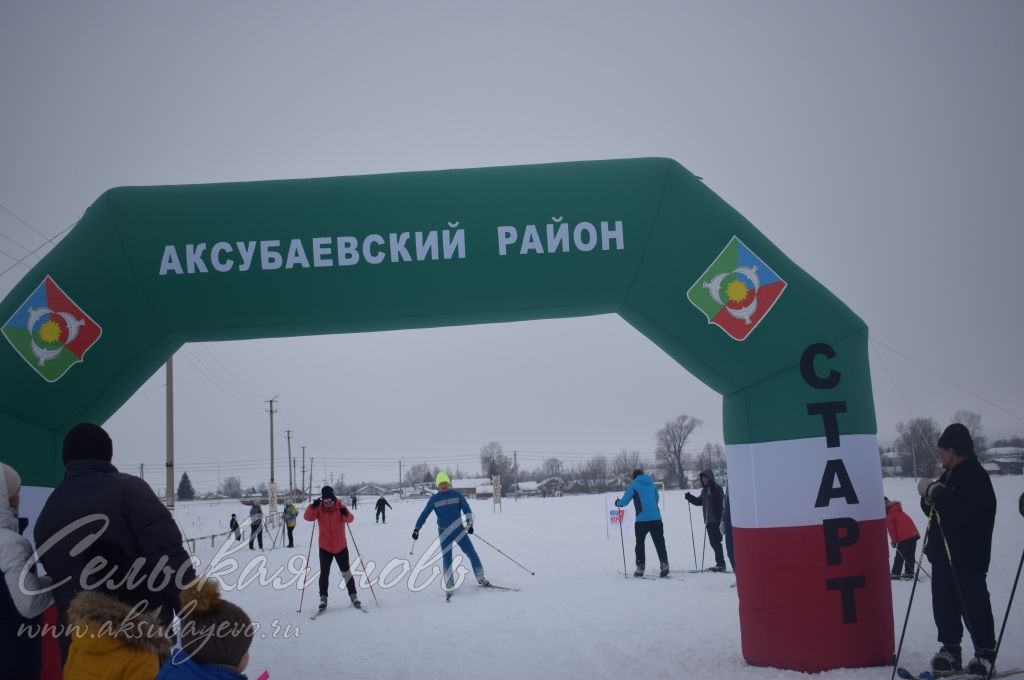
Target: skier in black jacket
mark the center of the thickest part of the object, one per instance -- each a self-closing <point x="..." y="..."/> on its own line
<point x="382" y="515"/>
<point x="962" y="506"/>
<point x="710" y="500"/>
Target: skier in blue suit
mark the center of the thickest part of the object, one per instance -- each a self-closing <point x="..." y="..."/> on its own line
<point x="648" y="520"/>
<point x="450" y="506"/>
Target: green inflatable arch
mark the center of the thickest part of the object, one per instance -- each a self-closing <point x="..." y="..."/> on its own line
<point x="148" y="269"/>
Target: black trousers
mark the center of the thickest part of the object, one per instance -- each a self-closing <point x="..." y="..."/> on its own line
<point x="291" y="538"/>
<point x="657" y="531"/>
<point x="715" y="539"/>
<point x="256" y="533"/>
<point x="325" y="570"/>
<point x="947" y="610"/>
<point x="381" y="515"/>
<point x="905" y="551"/>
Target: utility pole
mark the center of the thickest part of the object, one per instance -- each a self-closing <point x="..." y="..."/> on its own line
<point x="292" y="477"/>
<point x="515" y="472"/>
<point x="311" y="476"/>
<point x="303" y="478"/>
<point x="170" y="431"/>
<point x="399" y="475"/>
<point x="291" y="484"/>
<point x="141" y="466"/>
<point x="271" y="411"/>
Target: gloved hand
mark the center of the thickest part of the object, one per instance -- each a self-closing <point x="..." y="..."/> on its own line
<point x="415" y="534"/>
<point x="930" y="489"/>
<point x="469" y="528"/>
<point x="343" y="512"/>
<point x="617" y="503"/>
<point x="317" y="502"/>
<point x="690" y="496"/>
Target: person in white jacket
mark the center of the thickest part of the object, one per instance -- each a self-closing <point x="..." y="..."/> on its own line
<point x="25" y="595"/>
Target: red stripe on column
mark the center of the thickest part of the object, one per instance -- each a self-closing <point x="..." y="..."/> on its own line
<point x="788" y="616"/>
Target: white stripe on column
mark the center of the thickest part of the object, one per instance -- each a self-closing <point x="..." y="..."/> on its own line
<point x="775" y="484"/>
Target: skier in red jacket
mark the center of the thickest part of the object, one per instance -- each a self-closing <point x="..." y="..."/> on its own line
<point x="902" y="536"/>
<point x="331" y="516"/>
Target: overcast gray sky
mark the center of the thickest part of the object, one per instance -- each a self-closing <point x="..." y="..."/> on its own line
<point x="878" y="144"/>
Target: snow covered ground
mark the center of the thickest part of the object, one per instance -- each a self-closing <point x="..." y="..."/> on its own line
<point x="577" y="618"/>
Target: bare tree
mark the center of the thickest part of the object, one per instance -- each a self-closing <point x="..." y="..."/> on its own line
<point x="494" y="463"/>
<point x="626" y="461"/>
<point x="552" y="467"/>
<point x="711" y="457"/>
<point x="918" y="439"/>
<point x="231" y="487"/>
<point x="671" y="443"/>
<point x="597" y="472"/>
<point x="417" y="474"/>
<point x="972" y="421"/>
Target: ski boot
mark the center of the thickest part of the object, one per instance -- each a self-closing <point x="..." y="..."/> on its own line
<point x="947" y="659"/>
<point x="482" y="580"/>
<point x="639" y="572"/>
<point x="717" y="568"/>
<point x="323" y="603"/>
<point x="983" y="662"/>
<point x="355" y="601"/>
<point x="664" y="570"/>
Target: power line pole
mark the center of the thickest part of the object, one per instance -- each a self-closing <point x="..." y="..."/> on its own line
<point x="141" y="466"/>
<point x="311" y="476"/>
<point x="291" y="484"/>
<point x="399" y="474"/>
<point x="170" y="431"/>
<point x="271" y="411"/>
<point x="303" y="478"/>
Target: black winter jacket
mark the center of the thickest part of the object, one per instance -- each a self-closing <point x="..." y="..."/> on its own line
<point x="967" y="511"/>
<point x="138" y="522"/>
<point x="710" y="500"/>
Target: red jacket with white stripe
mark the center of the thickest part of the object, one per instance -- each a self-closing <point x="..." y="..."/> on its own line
<point x="331" y="523"/>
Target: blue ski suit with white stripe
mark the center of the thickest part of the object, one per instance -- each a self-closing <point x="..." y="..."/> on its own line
<point x="450" y="506"/>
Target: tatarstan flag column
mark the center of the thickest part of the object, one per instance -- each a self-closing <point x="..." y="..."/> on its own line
<point x="809" y="523"/>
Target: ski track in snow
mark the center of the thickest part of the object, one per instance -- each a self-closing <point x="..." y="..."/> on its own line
<point x="577" y="618"/>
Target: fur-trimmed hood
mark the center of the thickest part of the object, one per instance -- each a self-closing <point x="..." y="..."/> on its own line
<point x="111" y="622"/>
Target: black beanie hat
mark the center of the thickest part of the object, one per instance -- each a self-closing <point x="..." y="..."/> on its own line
<point x="958" y="438"/>
<point x="327" y="492"/>
<point x="87" y="441"/>
<point x="637" y="473"/>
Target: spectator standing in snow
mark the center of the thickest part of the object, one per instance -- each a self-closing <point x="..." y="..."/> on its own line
<point x="381" y="512"/>
<point x="289" y="514"/>
<point x="710" y="500"/>
<point x="648" y="520"/>
<point x="233" y="525"/>
<point x="256" y="525"/>
<point x="450" y="506"/>
<point x="902" y="536"/>
<point x="727" y="531"/>
<point x="331" y="516"/>
<point x="355" y="501"/>
<point x="93" y="491"/>
<point x="21" y="654"/>
<point x="959" y="547"/>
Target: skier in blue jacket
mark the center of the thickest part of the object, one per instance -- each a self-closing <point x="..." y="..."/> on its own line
<point x="450" y="506"/>
<point x="648" y="519"/>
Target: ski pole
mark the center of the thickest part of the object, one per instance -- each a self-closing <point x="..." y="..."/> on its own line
<point x="532" y="573"/>
<point x="411" y="548"/>
<point x="913" y="589"/>
<point x="361" y="563"/>
<point x="1013" y="591"/>
<point x="622" y="539"/>
<point x="305" y="574"/>
<point x="693" y="541"/>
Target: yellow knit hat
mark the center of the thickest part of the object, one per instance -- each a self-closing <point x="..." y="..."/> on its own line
<point x="442" y="478"/>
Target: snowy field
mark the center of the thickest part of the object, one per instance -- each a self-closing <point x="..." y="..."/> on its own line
<point x="577" y="618"/>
